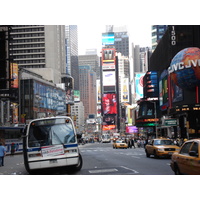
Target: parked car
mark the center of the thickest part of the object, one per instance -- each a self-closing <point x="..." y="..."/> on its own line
<point x="187" y="160"/>
<point x="120" y="144"/>
<point x="161" y="147"/>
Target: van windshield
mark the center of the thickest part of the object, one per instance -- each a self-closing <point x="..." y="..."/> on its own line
<point x="50" y="134"/>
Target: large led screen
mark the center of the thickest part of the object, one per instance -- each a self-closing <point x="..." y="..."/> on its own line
<point x="109" y="81"/>
<point x="139" y="85"/>
<point x="163" y="90"/>
<point x="109" y="119"/>
<point x="108" y="39"/>
<point x="109" y="102"/>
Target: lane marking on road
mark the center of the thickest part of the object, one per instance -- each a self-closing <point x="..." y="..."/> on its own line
<point x="135" y="157"/>
<point x="102" y="170"/>
<point x="136" y="172"/>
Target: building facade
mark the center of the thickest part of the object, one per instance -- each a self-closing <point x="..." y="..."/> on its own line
<point x="157" y="32"/>
<point x="71" y="47"/>
<point x="90" y="60"/>
<point x="39" y="47"/>
<point x="88" y="89"/>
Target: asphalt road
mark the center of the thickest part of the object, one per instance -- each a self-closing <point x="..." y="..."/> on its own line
<point x="101" y="159"/>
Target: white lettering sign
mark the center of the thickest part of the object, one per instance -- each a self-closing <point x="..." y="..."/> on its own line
<point x="52" y="150"/>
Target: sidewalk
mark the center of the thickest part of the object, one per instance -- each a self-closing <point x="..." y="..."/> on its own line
<point x="13" y="165"/>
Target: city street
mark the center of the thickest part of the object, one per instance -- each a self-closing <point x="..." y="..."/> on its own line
<point x="101" y="159"/>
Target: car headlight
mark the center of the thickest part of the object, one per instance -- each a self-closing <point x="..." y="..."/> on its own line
<point x="160" y="149"/>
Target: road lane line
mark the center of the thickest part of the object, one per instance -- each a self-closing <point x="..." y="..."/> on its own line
<point x="102" y="170"/>
<point x="136" y="172"/>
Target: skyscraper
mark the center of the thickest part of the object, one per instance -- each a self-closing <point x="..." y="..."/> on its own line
<point x="121" y="39"/>
<point x="88" y="89"/>
<point x="39" y="46"/>
<point x="71" y="42"/>
<point x="157" y="33"/>
<point x="90" y="60"/>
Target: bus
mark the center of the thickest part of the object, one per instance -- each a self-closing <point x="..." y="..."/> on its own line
<point x="50" y="143"/>
<point x="105" y="138"/>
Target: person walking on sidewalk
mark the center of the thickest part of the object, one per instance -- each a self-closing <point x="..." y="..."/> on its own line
<point x="2" y="154"/>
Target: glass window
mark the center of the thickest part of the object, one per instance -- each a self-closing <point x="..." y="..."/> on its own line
<point x="51" y="135"/>
<point x="185" y="148"/>
<point x="195" y="148"/>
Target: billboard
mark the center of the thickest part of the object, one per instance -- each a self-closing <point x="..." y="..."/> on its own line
<point x="139" y="85"/>
<point x="108" y="58"/>
<point x="109" y="103"/>
<point x="125" y="90"/>
<point x="163" y="90"/>
<point x="76" y="95"/>
<point x="108" y="39"/>
<point x="109" y="119"/>
<point x="98" y="91"/>
<point x="131" y="129"/>
<point x="14" y="75"/>
<point x="109" y="81"/>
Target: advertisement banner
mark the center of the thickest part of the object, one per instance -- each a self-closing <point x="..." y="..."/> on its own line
<point x="108" y="39"/>
<point x="139" y="85"/>
<point x="125" y="90"/>
<point x="14" y="75"/>
<point x="98" y="90"/>
<point x="109" y="81"/>
<point x="76" y="95"/>
<point x="109" y="104"/>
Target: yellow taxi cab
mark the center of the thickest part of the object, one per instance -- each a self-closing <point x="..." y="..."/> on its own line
<point x="161" y="147"/>
<point x="187" y="160"/>
<point x="120" y="144"/>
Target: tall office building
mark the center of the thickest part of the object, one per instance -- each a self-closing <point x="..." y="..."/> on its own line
<point x="90" y="60"/>
<point x="88" y="89"/>
<point x="71" y="42"/>
<point x="157" y="32"/>
<point x="121" y="42"/>
<point x="140" y="57"/>
<point x="40" y="47"/>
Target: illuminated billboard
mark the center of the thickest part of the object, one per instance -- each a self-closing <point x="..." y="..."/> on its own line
<point x="108" y="39"/>
<point x="76" y="95"/>
<point x="139" y="85"/>
<point x="131" y="129"/>
<point x="108" y="58"/>
<point x="109" y="103"/>
<point x="125" y="90"/>
<point x="163" y="90"/>
<point x="109" y="81"/>
<point x="108" y="127"/>
<point x="109" y="119"/>
<point x="98" y="91"/>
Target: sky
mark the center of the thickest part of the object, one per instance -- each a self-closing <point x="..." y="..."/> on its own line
<point x="89" y="36"/>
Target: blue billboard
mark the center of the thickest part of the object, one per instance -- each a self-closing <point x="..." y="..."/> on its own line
<point x="108" y="39"/>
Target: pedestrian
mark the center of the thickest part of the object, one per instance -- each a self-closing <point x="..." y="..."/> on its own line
<point x="132" y="143"/>
<point x="2" y="154"/>
<point x="12" y="149"/>
<point x="129" y="144"/>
